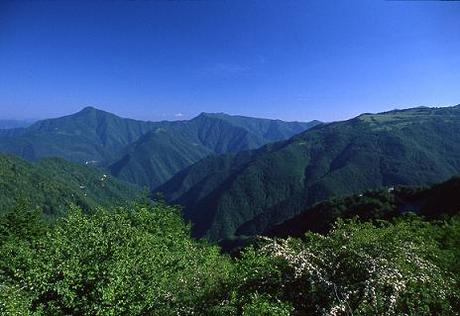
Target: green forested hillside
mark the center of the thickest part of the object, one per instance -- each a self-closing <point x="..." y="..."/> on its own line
<point x="155" y="157"/>
<point x="52" y="184"/>
<point x="161" y="153"/>
<point x="144" y="153"/>
<point x="417" y="146"/>
<point x="436" y="202"/>
<point x="232" y="133"/>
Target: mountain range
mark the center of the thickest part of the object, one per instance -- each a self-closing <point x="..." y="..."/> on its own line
<point x="245" y="193"/>
<point x="142" y="152"/>
<point x="234" y="176"/>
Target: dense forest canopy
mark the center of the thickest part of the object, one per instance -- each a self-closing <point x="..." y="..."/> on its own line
<point x="141" y="260"/>
<point x="53" y="184"/>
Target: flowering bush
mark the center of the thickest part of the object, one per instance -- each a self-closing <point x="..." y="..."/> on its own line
<point x="362" y="269"/>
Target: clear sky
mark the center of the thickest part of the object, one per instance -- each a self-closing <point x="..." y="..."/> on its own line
<point x="287" y="59"/>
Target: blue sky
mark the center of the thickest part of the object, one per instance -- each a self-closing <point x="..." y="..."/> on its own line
<point x="293" y="60"/>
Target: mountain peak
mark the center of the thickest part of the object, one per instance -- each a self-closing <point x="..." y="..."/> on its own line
<point x="88" y="109"/>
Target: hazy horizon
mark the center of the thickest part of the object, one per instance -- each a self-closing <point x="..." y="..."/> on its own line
<point x="179" y="118"/>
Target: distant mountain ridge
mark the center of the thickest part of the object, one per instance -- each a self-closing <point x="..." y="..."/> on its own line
<point x="142" y="152"/>
<point x="8" y="124"/>
<point x="246" y="193"/>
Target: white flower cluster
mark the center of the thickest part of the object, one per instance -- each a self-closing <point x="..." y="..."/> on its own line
<point x="351" y="279"/>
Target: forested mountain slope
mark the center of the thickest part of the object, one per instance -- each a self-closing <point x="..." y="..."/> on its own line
<point x="145" y="153"/>
<point x="161" y="153"/>
<point x="260" y="188"/>
<point x="52" y="184"/>
<point x="435" y="202"/>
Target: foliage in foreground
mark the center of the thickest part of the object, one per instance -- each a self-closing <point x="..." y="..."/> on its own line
<point x="361" y="269"/>
<point x="125" y="262"/>
<point x="142" y="261"/>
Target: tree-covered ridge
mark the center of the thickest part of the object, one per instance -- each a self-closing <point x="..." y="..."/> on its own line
<point x="142" y="152"/>
<point x="419" y="146"/>
<point x="158" y="155"/>
<point x="141" y="260"/>
<point x="435" y="202"/>
<point x="52" y="184"/>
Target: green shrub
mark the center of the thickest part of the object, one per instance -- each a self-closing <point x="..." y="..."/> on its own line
<point x="131" y="262"/>
<point x="264" y="305"/>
